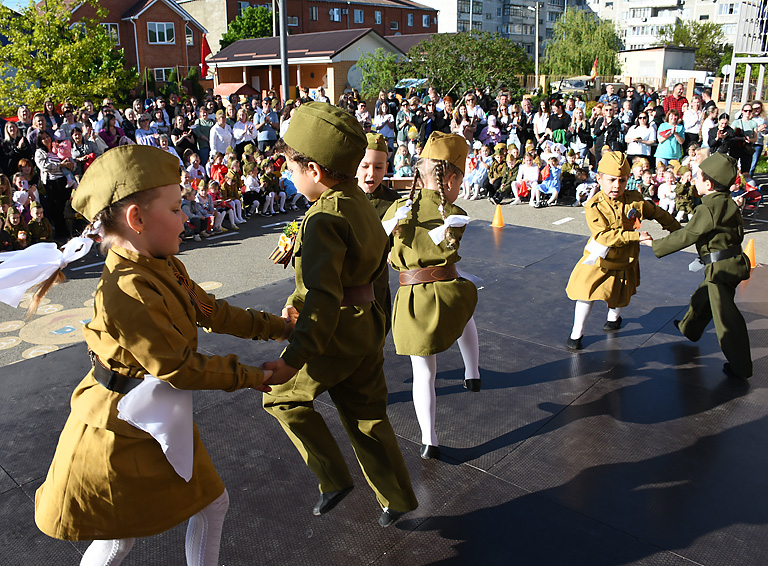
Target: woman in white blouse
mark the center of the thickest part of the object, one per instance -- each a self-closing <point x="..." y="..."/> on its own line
<point x="540" y="120"/>
<point x="640" y="137"/>
<point x="692" y="122"/>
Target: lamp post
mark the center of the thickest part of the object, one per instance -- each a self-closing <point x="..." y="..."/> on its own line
<point x="536" y="48"/>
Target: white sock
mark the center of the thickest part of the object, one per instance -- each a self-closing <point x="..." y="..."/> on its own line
<point x="107" y="552"/>
<point x="613" y="314"/>
<point x="204" y="533"/>
<point x="580" y="315"/>
<point x="424" y="398"/>
<point x="470" y="350"/>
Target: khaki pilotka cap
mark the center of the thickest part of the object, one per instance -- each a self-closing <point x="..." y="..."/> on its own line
<point x="447" y="147"/>
<point x="121" y="172"/>
<point x="614" y="163"/>
<point x="377" y="142"/>
<point x="721" y="168"/>
<point x="329" y="136"/>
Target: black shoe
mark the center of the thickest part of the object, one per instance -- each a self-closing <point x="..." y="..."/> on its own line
<point x="677" y="324"/>
<point x="389" y="516"/>
<point x="612" y="325"/>
<point x="429" y="452"/>
<point x="472" y="385"/>
<point x="572" y="344"/>
<point x="329" y="500"/>
<point x="730" y="373"/>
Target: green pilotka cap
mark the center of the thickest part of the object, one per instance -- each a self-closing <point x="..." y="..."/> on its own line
<point x="377" y="142"/>
<point x="721" y="168"/>
<point x="121" y="172"/>
<point x="327" y="135"/>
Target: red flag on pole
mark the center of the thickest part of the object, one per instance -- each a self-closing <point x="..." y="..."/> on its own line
<point x="593" y="74"/>
<point x="206" y="50"/>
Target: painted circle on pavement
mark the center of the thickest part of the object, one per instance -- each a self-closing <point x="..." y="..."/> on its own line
<point x="38" y="351"/>
<point x="209" y="285"/>
<point x="63" y="327"/>
<point x="11" y="325"/>
<point x="9" y="342"/>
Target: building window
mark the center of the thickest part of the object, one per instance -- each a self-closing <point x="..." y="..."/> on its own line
<point x="189" y="35"/>
<point x="477" y="7"/>
<point x="358" y="16"/>
<point x="477" y="26"/>
<point x="242" y="7"/>
<point x="161" y="75"/>
<point x="314" y="13"/>
<point x="335" y="14"/>
<point x="462" y="25"/>
<point x="727" y="9"/>
<point x="410" y="20"/>
<point x="394" y="25"/>
<point x="292" y="21"/>
<point x="425" y="21"/>
<point x="377" y="17"/>
<point x="640" y="13"/>
<point x="463" y="6"/>
<point x="114" y="31"/>
<point x="705" y="17"/>
<point x="161" y="32"/>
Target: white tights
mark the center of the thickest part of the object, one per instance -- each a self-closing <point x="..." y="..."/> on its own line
<point x="238" y="208"/>
<point x="425" y="372"/>
<point x="581" y="313"/>
<point x="202" y="542"/>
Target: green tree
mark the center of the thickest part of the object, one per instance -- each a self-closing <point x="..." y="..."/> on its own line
<point x="705" y="37"/>
<point x="454" y="63"/>
<point x="381" y="71"/>
<point x="579" y="37"/>
<point x="47" y="56"/>
<point x="195" y="88"/>
<point x="253" y="22"/>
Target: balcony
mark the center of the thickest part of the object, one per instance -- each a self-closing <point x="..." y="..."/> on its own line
<point x="652" y="21"/>
<point x="671" y="4"/>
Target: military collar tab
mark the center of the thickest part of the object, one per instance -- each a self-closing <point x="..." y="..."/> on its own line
<point x="135" y="257"/>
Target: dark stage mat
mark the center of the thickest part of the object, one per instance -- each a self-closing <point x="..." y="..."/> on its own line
<point x="634" y="451"/>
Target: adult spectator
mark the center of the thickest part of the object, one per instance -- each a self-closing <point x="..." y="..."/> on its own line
<point x="706" y="97"/>
<point x="129" y="124"/>
<point x="68" y="123"/>
<point x="202" y="128"/>
<point x="54" y="184"/>
<point x="392" y="103"/>
<point x="433" y="97"/>
<point x="183" y="138"/>
<point x="267" y="123"/>
<point x="474" y="110"/>
<point x="447" y="114"/>
<point x="231" y="113"/>
<point x="640" y="137"/>
<point x="137" y="106"/>
<point x="320" y="95"/>
<point x="609" y="97"/>
<point x="607" y="132"/>
<point x="748" y="125"/>
<point x="464" y="124"/>
<point x="676" y="100"/>
<point x="110" y="133"/>
<point x="51" y="116"/>
<point x="161" y="105"/>
<point x="363" y="116"/>
<point x="221" y="134"/>
<point x="482" y="101"/>
<point x="431" y="121"/>
<point x="173" y="107"/>
<point x="159" y="123"/>
<point x="83" y="152"/>
<point x="692" y="119"/>
<point x="403" y="123"/>
<point x="38" y="125"/>
<point x="15" y="146"/>
<point x="708" y="123"/>
<point x="384" y="122"/>
<point x="579" y="134"/>
<point x="640" y="100"/>
<point x="502" y="100"/>
<point x="757" y="116"/>
<point x="381" y="100"/>
<point x="285" y="117"/>
<point x="570" y="106"/>
<point x="525" y="125"/>
<point x="540" y="120"/>
<point x="558" y="123"/>
<point x="144" y="133"/>
<point x="720" y="137"/>
<point x="244" y="132"/>
<point x="671" y="138"/>
<point x="92" y="114"/>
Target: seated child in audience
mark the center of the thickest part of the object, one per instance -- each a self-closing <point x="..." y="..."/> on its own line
<point x="232" y="189"/>
<point x="403" y="162"/>
<point x="292" y="194"/>
<point x="218" y="168"/>
<point x="527" y="181"/>
<point x="701" y="154"/>
<point x="271" y="183"/>
<point x="253" y="196"/>
<point x="5" y="204"/>
<point x="196" y="221"/>
<point x="477" y="177"/>
<point x="586" y="187"/>
<point x="684" y="195"/>
<point x="648" y="186"/>
<point x="205" y="205"/>
<point x="660" y="170"/>
<point x="221" y="205"/>
<point x="496" y="172"/>
<point x="40" y="228"/>
<point x="195" y="169"/>
<point x="568" y="174"/>
<point x="691" y="156"/>
<point x="549" y="186"/>
<point x="635" y="178"/>
<point x="666" y="191"/>
<point x="17" y="229"/>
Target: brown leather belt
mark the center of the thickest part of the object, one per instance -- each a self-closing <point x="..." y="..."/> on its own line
<point x="428" y="274"/>
<point x="111" y="379"/>
<point x="357" y="295"/>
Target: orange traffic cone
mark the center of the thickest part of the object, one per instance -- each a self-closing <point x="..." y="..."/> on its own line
<point x="750" y="251"/>
<point x="498" y="218"/>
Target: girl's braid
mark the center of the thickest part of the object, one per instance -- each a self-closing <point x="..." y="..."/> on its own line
<point x="439" y="172"/>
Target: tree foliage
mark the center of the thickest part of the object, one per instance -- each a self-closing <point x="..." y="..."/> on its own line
<point x="454" y="63"/>
<point x="579" y="37"/>
<point x="706" y="38"/>
<point x="252" y="23"/>
<point x="381" y="71"/>
<point x="48" y="57"/>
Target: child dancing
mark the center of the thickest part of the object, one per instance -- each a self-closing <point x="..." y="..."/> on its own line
<point x="434" y="304"/>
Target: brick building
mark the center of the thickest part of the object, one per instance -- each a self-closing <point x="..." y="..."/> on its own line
<point x="385" y="17"/>
<point x="155" y="34"/>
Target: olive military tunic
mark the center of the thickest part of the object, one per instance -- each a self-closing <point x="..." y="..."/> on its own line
<point x="615" y="278"/>
<point x="109" y="480"/>
<point x="716" y="225"/>
<point x="381" y="199"/>
<point x="429" y="317"/>
<point x="339" y="349"/>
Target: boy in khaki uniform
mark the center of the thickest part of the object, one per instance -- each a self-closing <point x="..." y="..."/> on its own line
<point x="337" y="344"/>
<point x="717" y="230"/>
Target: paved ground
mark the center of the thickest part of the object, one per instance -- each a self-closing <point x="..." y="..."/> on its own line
<point x="233" y="263"/>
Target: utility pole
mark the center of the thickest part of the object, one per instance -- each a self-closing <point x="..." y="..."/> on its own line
<point x="283" y="16"/>
<point x="536" y="48"/>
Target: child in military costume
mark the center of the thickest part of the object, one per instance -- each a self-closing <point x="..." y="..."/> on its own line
<point x="110" y="481"/>
<point x="685" y="194"/>
<point x="496" y="173"/>
<point x="337" y="344"/>
<point x="717" y="230"/>
<point x="370" y="174"/>
<point x="434" y="304"/>
<point x="40" y="228"/>
<point x="609" y="270"/>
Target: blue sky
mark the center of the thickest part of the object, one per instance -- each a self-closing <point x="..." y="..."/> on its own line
<point x="15" y="4"/>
